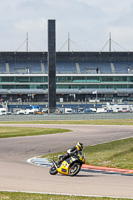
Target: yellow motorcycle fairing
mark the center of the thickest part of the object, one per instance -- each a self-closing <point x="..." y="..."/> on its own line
<point x="64" y="168"/>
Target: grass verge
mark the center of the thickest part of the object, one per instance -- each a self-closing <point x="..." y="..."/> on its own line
<point x="82" y="122"/>
<point x="6" y="132"/>
<point x="33" y="196"/>
<point x="117" y="154"/>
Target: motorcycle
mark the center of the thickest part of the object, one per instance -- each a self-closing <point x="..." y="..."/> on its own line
<point x="71" y="166"/>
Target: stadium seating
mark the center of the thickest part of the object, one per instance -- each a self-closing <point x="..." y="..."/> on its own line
<point x="81" y="68"/>
<point x="121" y="67"/>
<point x="68" y="68"/>
<point x="2" y="68"/>
<point x="95" y="67"/>
<point x="25" y="67"/>
<point x="63" y="67"/>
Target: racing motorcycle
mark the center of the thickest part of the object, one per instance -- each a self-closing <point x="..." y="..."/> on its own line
<point x="71" y="166"/>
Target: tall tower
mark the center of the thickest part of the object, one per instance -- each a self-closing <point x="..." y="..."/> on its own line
<point x="51" y="66"/>
<point x="109" y="42"/>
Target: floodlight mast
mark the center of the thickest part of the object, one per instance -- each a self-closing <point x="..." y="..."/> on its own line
<point x="27" y="42"/>
<point x="109" y="42"/>
<point x="68" y="42"/>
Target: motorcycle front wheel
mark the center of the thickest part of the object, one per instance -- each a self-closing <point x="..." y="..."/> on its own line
<point x="53" y="170"/>
<point x="74" y="170"/>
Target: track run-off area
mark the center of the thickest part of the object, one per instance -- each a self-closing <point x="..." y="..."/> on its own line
<point x="18" y="175"/>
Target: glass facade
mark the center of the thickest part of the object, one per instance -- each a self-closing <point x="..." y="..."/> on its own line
<point x="23" y="79"/>
<point x="95" y="79"/>
<point x="67" y="79"/>
<point x="66" y="82"/>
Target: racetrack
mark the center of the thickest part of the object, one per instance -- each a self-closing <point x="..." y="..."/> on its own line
<point x="16" y="174"/>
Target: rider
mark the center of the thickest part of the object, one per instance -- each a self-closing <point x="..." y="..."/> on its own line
<point x="70" y="152"/>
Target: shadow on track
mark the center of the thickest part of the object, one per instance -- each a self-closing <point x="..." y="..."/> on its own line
<point x="106" y="172"/>
<point x="78" y="175"/>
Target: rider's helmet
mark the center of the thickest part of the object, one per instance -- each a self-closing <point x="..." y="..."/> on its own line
<point x="79" y="146"/>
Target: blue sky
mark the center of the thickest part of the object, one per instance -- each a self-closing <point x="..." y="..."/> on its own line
<point x="88" y="22"/>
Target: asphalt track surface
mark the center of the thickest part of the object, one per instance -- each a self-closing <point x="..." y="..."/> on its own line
<point x="18" y="175"/>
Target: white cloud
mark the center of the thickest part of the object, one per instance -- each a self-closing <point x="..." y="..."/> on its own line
<point x="109" y="5"/>
<point x="89" y="22"/>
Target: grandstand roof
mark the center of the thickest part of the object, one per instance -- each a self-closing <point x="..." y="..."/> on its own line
<point x="67" y="56"/>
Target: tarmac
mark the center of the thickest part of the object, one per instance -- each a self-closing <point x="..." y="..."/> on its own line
<point x="26" y="177"/>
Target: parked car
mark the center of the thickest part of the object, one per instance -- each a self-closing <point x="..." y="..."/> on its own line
<point x="20" y="112"/>
<point x="3" y="111"/>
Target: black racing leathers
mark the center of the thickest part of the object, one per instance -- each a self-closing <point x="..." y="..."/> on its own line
<point x="69" y="153"/>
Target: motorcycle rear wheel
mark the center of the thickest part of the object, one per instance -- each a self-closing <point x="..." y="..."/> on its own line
<point x="74" y="170"/>
<point x="53" y="170"/>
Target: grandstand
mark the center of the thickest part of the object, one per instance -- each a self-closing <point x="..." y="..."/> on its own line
<point x="78" y="74"/>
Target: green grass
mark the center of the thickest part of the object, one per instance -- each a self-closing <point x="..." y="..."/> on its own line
<point x="113" y="154"/>
<point x="117" y="154"/>
<point x="6" y="132"/>
<point x="33" y="196"/>
<point x="82" y="122"/>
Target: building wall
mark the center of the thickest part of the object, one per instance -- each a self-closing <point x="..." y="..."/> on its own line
<point x="76" y="86"/>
